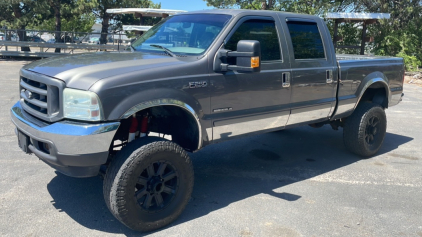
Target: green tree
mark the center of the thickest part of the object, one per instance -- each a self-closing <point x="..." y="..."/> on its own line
<point x="42" y="14"/>
<point x="101" y="12"/>
<point x="18" y="15"/>
<point x="243" y="4"/>
<point x="72" y="11"/>
<point x="401" y="34"/>
<point x="74" y="23"/>
<point x="314" y="7"/>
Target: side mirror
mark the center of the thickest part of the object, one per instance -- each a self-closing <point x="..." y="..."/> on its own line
<point x="248" y="57"/>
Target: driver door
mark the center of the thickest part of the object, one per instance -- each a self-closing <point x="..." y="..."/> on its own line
<point x="244" y="103"/>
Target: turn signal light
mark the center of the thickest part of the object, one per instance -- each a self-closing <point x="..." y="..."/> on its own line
<point x="254" y="62"/>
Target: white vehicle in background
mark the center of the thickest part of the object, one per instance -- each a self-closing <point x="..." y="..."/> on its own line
<point x="94" y="40"/>
<point x="13" y="37"/>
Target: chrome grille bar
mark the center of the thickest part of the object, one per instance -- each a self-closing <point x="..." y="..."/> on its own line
<point x="41" y="96"/>
<point x="34" y="101"/>
<point x="33" y="89"/>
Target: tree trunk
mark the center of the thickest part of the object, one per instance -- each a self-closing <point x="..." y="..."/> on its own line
<point x="104" y="28"/>
<point x="21" y="31"/>
<point x="267" y="6"/>
<point x="264" y="5"/>
<point x="270" y="4"/>
<point x="22" y="37"/>
<point x="56" y="6"/>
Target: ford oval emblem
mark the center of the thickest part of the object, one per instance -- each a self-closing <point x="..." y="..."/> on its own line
<point x="28" y="94"/>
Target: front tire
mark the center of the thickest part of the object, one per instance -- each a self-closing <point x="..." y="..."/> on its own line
<point x="365" y="129"/>
<point x="148" y="184"/>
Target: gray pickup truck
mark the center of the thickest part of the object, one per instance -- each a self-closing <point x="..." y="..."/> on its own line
<point x="192" y="80"/>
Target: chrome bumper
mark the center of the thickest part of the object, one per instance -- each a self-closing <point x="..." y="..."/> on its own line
<point x="75" y="148"/>
<point x="396" y="98"/>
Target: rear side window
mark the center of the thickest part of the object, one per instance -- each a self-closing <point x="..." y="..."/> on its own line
<point x="306" y="39"/>
<point x="263" y="31"/>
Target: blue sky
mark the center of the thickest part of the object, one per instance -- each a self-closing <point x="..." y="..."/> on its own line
<point x="187" y="5"/>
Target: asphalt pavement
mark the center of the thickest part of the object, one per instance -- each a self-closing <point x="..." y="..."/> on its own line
<point x="296" y="182"/>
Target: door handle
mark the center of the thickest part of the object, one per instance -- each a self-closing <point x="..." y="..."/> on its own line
<point x="329" y="76"/>
<point x="286" y="79"/>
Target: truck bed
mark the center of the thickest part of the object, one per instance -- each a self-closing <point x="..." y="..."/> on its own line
<point x="356" y="70"/>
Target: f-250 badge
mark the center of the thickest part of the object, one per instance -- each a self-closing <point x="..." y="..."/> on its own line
<point x="198" y="84"/>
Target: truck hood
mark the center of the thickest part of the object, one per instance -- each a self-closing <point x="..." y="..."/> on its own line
<point x="81" y="71"/>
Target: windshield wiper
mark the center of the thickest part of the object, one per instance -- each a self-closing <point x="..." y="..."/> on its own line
<point x="168" y="51"/>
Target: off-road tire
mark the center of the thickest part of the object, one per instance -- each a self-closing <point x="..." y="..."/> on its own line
<point x="123" y="173"/>
<point x="359" y="125"/>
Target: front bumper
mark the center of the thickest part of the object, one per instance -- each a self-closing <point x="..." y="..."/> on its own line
<point x="76" y="149"/>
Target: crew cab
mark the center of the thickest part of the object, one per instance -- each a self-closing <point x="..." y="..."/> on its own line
<point x="192" y="80"/>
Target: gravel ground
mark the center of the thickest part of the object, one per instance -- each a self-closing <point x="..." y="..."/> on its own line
<point x="412" y="80"/>
<point x="297" y="182"/>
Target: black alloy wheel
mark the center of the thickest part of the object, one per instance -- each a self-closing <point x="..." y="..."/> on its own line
<point x="149" y="183"/>
<point x="156" y="186"/>
<point x="365" y="129"/>
<point x="371" y="131"/>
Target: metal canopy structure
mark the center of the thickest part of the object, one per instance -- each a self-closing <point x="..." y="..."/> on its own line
<point x="143" y="12"/>
<point x="365" y="18"/>
<point x="358" y="16"/>
<point x="136" y="28"/>
<point x="147" y="12"/>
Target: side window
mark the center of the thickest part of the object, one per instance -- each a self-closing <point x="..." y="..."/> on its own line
<point x="306" y="39"/>
<point x="263" y="31"/>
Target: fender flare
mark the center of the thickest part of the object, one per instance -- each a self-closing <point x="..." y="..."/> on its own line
<point x="371" y="79"/>
<point x="168" y="102"/>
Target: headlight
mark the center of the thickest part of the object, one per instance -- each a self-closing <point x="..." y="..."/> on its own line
<point x="81" y="105"/>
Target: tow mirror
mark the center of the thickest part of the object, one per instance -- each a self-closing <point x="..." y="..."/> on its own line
<point x="248" y="57"/>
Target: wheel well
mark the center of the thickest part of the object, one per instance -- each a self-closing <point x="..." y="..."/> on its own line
<point x="173" y="122"/>
<point x="376" y="93"/>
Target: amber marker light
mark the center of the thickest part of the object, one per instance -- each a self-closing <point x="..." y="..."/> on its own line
<point x="254" y="62"/>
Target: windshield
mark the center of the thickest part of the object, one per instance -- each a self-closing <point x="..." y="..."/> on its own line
<point x="183" y="34"/>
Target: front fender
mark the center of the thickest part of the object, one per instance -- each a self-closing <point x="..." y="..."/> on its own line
<point x="155" y="97"/>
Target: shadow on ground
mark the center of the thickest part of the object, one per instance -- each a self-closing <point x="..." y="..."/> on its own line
<point x="226" y="173"/>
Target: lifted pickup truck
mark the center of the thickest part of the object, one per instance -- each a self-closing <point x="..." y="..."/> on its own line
<point x="196" y="78"/>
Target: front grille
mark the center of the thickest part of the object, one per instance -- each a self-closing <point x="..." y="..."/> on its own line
<point x="37" y="93"/>
<point x="40" y="96"/>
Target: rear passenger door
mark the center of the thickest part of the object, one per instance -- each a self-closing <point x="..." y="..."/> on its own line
<point x="314" y="70"/>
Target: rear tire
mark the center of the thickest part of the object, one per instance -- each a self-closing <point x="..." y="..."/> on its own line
<point x="365" y="129"/>
<point x="148" y="184"/>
